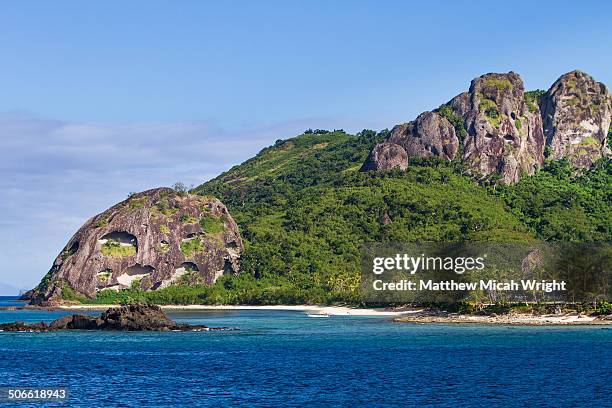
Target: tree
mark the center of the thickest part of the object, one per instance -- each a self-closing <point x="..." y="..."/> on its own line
<point x="180" y="188"/>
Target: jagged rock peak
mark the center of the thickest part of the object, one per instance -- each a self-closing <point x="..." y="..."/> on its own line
<point x="504" y="136"/>
<point x="576" y="113"/>
<point x="497" y="128"/>
<point x="153" y="239"/>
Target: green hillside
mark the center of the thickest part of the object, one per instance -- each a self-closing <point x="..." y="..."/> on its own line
<point x="304" y="210"/>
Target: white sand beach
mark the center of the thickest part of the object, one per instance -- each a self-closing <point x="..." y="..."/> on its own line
<point x="403" y="315"/>
<point x="330" y="310"/>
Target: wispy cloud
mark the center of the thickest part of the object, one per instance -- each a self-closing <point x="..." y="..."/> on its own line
<point x="56" y="174"/>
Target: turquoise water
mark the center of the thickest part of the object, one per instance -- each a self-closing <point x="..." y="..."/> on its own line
<point x="288" y="359"/>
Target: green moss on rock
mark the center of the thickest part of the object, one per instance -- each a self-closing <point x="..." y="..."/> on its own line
<point x="191" y="247"/>
<point x="137" y="203"/>
<point x="116" y="250"/>
<point x="489" y="109"/>
<point x="589" y="141"/>
<point x="187" y="219"/>
<point x="518" y="124"/>
<point x="500" y="84"/>
<point x="446" y="111"/>
<point x="212" y="225"/>
<point x="101" y="223"/>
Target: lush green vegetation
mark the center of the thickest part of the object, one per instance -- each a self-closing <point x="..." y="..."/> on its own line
<point x="455" y="120"/>
<point x="192" y="246"/>
<point x="500" y="84"/>
<point x="212" y="225"/>
<point x="532" y="99"/>
<point x="489" y="108"/>
<point x="228" y="290"/>
<point x="116" y="250"/>
<point x="560" y="205"/>
<point x="304" y="211"/>
<point x="69" y="294"/>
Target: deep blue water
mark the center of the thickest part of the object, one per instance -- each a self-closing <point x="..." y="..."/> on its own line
<point x="288" y="359"/>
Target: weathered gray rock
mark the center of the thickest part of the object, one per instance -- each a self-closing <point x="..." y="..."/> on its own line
<point x="496" y="128"/>
<point x="576" y="113"/>
<point x="386" y="156"/>
<point x="153" y="239"/>
<point x="428" y="136"/>
<point x="503" y="135"/>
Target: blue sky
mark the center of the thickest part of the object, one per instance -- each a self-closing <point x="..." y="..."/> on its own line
<point x="100" y="99"/>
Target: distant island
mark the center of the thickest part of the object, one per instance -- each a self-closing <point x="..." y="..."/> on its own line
<point x="496" y="164"/>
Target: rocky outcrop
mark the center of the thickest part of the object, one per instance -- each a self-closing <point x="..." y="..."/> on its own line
<point x="125" y="318"/>
<point x="576" y="112"/>
<point x="503" y="135"/>
<point x="427" y="136"/>
<point x="151" y="240"/>
<point x="498" y="128"/>
<point x="386" y="156"/>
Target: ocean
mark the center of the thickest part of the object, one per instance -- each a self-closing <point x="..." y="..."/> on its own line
<point x="279" y="358"/>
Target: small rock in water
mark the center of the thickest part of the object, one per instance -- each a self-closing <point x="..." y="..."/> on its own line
<point x="137" y="317"/>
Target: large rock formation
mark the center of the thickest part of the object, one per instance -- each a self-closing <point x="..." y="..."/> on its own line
<point x="152" y="240"/>
<point x="576" y="112"/>
<point x="386" y="156"/>
<point x="496" y="128"/>
<point x="429" y="135"/>
<point x="503" y="135"/>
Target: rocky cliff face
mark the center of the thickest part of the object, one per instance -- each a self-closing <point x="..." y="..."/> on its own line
<point x="153" y="239"/>
<point x="576" y="113"/>
<point x="503" y="136"/>
<point x="497" y="128"/>
<point x="386" y="156"/>
<point x="429" y="135"/>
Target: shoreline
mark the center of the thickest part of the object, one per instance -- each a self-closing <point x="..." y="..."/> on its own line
<point x="330" y="310"/>
<point x="416" y="315"/>
<point x="412" y="315"/>
<point x="512" y="319"/>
